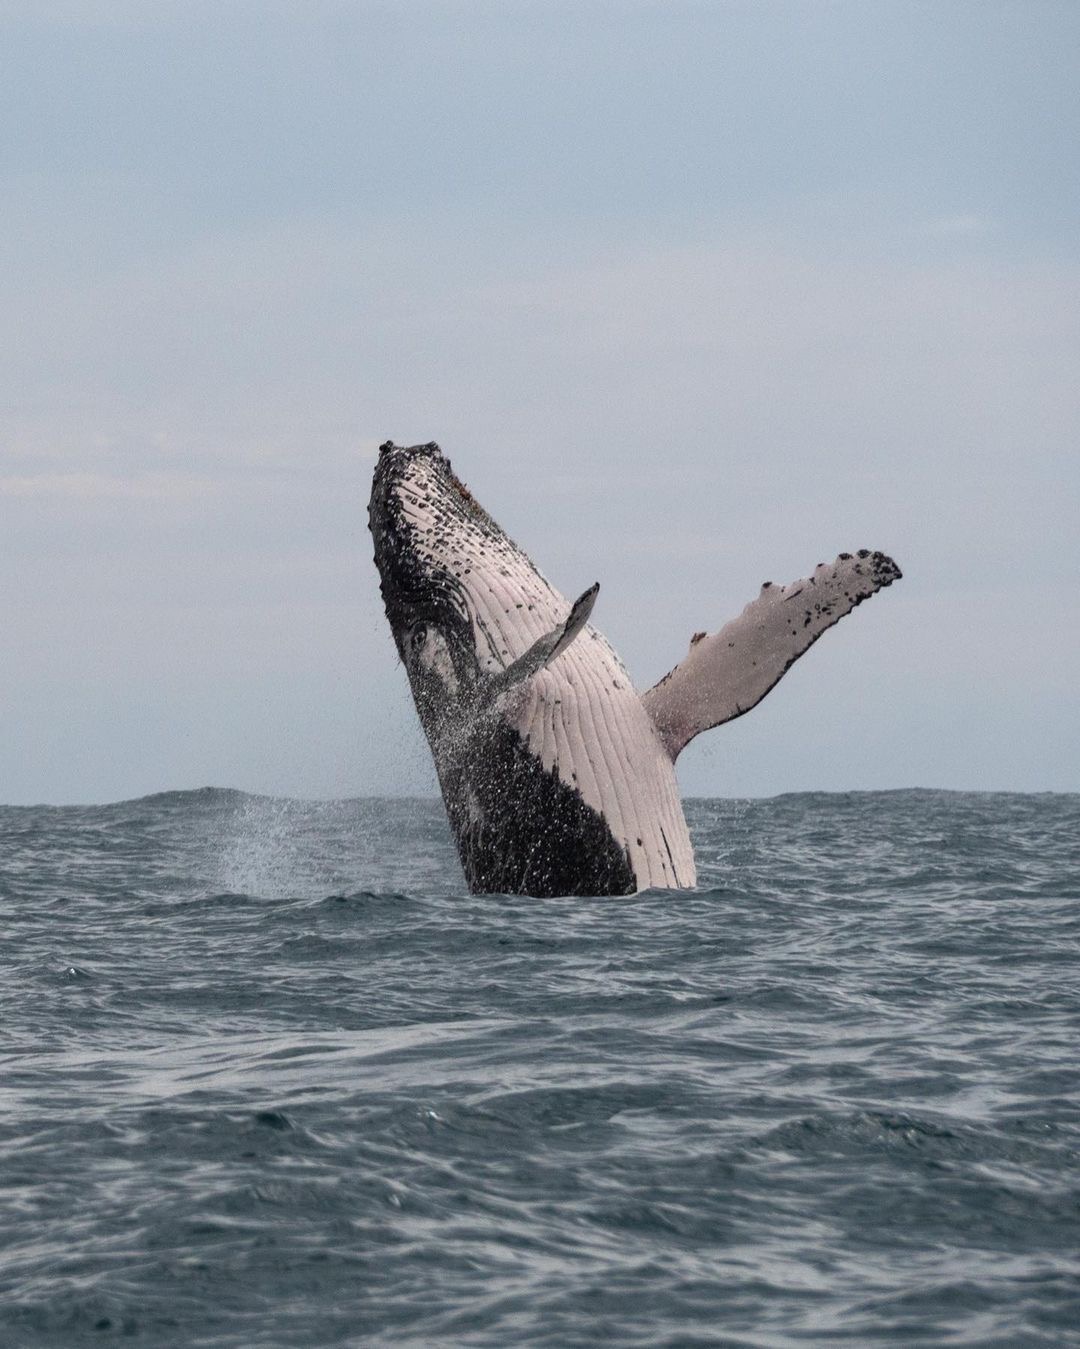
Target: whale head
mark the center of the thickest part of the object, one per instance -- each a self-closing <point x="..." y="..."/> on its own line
<point x="437" y="551"/>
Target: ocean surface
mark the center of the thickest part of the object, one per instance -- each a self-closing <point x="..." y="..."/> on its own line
<point x="268" y="1076"/>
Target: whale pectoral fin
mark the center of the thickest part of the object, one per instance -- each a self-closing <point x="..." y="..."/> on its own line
<point x="545" y="649"/>
<point x="726" y="674"/>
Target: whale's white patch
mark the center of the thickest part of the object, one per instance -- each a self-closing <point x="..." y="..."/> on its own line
<point x="433" y="656"/>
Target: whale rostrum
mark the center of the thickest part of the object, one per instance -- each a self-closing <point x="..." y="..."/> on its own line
<point x="557" y="776"/>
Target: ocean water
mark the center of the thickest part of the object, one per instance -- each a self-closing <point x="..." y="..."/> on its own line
<point x="268" y="1076"/>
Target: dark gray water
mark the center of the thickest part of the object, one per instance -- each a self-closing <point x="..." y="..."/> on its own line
<point x="268" y="1077"/>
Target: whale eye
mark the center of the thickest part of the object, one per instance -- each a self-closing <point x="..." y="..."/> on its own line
<point x="418" y="636"/>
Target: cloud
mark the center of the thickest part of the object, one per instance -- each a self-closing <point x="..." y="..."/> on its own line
<point x="960" y="226"/>
<point x="731" y="380"/>
<point x="96" y="486"/>
<point x="680" y="419"/>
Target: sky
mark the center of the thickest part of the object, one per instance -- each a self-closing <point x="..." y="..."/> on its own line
<point x="694" y="295"/>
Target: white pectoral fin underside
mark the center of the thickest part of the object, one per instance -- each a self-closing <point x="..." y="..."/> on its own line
<point x="545" y="649"/>
<point x="727" y="673"/>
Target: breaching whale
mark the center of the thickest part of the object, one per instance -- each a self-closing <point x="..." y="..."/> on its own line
<point x="558" y="777"/>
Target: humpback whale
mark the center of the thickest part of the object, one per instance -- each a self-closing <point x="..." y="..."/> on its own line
<point x="557" y="776"/>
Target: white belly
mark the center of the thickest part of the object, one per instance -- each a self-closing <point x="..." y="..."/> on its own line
<point x="582" y="718"/>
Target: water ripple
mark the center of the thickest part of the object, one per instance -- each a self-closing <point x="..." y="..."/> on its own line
<point x="270" y="1078"/>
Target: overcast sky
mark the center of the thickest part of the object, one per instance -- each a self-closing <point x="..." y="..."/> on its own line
<point x="694" y="295"/>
